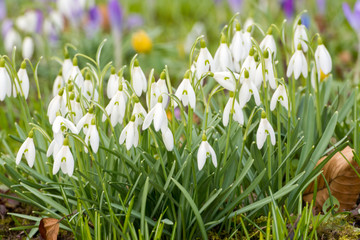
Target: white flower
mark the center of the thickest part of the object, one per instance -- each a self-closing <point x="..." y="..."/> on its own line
<point x="237" y="111"/>
<point x="185" y="92"/>
<point x="24" y="81"/>
<point x="250" y="65"/>
<point x="158" y="89"/>
<point x="57" y="104"/>
<point x="12" y="39"/>
<point x="297" y="64"/>
<point x="300" y="36"/>
<point x="281" y="96"/>
<point x="64" y="160"/>
<point x="269" y="72"/>
<point x="67" y="68"/>
<point x="58" y="83"/>
<point x="55" y="144"/>
<point x="5" y="81"/>
<point x="138" y="79"/>
<point x="92" y="136"/>
<point x="28" y="150"/>
<point x="116" y="107"/>
<point x="75" y="107"/>
<point x="139" y="112"/>
<point x="223" y="59"/>
<point x="130" y="133"/>
<point x="247" y="89"/>
<point x="27" y="48"/>
<point x="205" y="150"/>
<point x="60" y="123"/>
<point x="88" y="90"/>
<point x="264" y="129"/>
<point x="158" y="114"/>
<point x="246" y="44"/>
<point x="204" y="62"/>
<point x="322" y="59"/>
<point x="268" y="43"/>
<point x="113" y="84"/>
<point x="76" y="75"/>
<point x="168" y="138"/>
<point x="85" y="121"/>
<point x="226" y="79"/>
<point x="240" y="46"/>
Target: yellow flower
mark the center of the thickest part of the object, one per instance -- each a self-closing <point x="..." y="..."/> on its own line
<point x="141" y="42"/>
<point x="323" y="76"/>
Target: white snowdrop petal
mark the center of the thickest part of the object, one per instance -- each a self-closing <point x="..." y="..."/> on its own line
<point x="201" y="155"/>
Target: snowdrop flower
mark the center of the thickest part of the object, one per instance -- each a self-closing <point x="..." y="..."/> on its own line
<point x="75" y="106"/>
<point x="116" y="107"/>
<point x="138" y="79"/>
<point x="250" y="65"/>
<point x="28" y="150"/>
<point x="247" y="89"/>
<point x="226" y="79"/>
<point x="158" y="114"/>
<point x="297" y="64"/>
<point x="76" y="75"/>
<point x="55" y="144"/>
<point x="204" y="61"/>
<point x="92" y="136"/>
<point x="223" y="59"/>
<point x="281" y="96"/>
<point x="168" y="138"/>
<point x="58" y="83"/>
<point x="205" y="150"/>
<point x="269" y="72"/>
<point x="57" y="104"/>
<point x="237" y="111"/>
<point x="88" y="89"/>
<point x="23" y="82"/>
<point x="158" y="89"/>
<point x="185" y="92"/>
<point x="64" y="159"/>
<point x="139" y="112"/>
<point x="268" y="43"/>
<point x="5" y="81"/>
<point x="246" y="44"/>
<point x="300" y="36"/>
<point x="264" y="129"/>
<point x="322" y="59"/>
<point x="27" y="47"/>
<point x="61" y="124"/>
<point x="130" y="134"/>
<point x="85" y="121"/>
<point x="237" y="48"/>
<point x="113" y="84"/>
<point x="67" y="67"/>
<point x="12" y="39"/>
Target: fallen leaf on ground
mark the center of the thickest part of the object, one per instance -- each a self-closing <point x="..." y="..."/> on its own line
<point x="343" y="181"/>
<point x="49" y="228"/>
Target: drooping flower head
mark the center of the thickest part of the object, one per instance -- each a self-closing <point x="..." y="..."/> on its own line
<point x="205" y="150"/>
<point x="297" y="64"/>
<point x="223" y="59"/>
<point x="264" y="129"/>
<point x="322" y="59"/>
<point x="138" y="79"/>
<point x="64" y="159"/>
<point x="28" y="150"/>
<point x="185" y="92"/>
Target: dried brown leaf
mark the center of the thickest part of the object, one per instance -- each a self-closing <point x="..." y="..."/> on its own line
<point x="343" y="181"/>
<point x="49" y="228"/>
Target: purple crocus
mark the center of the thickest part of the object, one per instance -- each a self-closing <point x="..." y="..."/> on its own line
<point x="288" y="7"/>
<point x="235" y="5"/>
<point x="39" y="21"/>
<point x="2" y="9"/>
<point x="321" y="5"/>
<point x="6" y="26"/>
<point x="134" y="21"/>
<point x="115" y="15"/>
<point x="94" y="21"/>
<point x="353" y="17"/>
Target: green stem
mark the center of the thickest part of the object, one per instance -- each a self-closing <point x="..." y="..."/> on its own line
<point x="318" y="115"/>
<point x="279" y="146"/>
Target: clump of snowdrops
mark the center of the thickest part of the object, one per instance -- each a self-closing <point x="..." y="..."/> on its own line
<point x="123" y="153"/>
